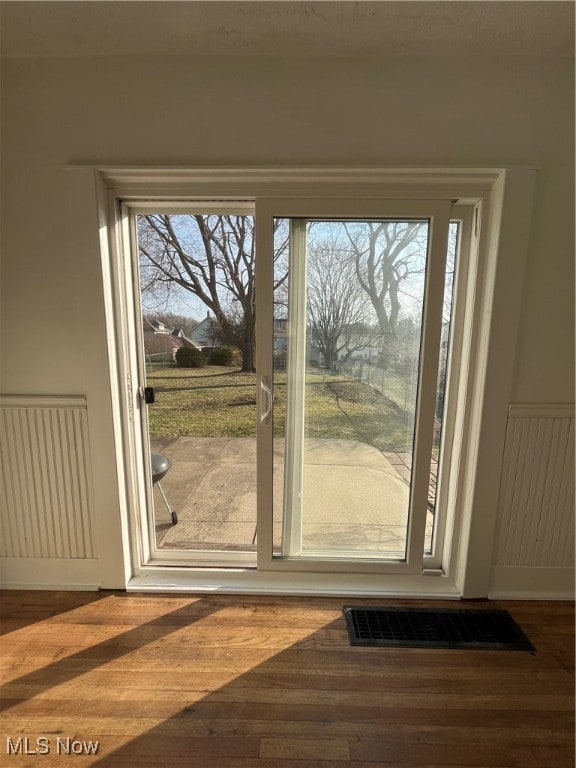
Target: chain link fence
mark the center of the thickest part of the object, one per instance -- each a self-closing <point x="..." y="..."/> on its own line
<point x="400" y="390"/>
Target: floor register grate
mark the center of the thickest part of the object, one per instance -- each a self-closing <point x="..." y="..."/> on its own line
<point x="433" y="628"/>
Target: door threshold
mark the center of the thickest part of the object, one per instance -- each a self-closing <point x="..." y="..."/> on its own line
<point x="248" y="581"/>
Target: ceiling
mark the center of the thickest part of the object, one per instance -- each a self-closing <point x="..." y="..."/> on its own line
<point x="288" y="29"/>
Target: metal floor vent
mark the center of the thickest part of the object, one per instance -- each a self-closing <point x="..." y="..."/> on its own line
<point x="433" y="628"/>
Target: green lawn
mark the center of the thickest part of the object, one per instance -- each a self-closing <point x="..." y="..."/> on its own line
<point x="221" y="402"/>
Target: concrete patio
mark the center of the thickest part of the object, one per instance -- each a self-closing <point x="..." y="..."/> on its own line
<point x="355" y="497"/>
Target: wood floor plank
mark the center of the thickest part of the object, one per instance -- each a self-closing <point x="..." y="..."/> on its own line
<point x="177" y="684"/>
<point x="544" y="756"/>
<point x="394" y="733"/>
<point x="456" y="754"/>
<point x="263" y="682"/>
<point x="305" y="749"/>
<point x="356" y="721"/>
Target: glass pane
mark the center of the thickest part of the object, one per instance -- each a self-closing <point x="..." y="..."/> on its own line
<point x="197" y="296"/>
<point x="431" y="518"/>
<point x="345" y="383"/>
<point x="280" y="364"/>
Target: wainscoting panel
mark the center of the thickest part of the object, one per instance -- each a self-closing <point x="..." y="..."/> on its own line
<point x="46" y="498"/>
<point x="536" y="507"/>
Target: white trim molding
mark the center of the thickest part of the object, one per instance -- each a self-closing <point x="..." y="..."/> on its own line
<point x="532" y="584"/>
<point x="49" y="573"/>
<point x="248" y="183"/>
<point x="220" y="185"/>
<point x="43" y="401"/>
<point x="505" y="240"/>
<point x="541" y="410"/>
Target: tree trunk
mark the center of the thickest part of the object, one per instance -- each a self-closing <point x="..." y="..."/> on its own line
<point x="330" y="353"/>
<point x="249" y="347"/>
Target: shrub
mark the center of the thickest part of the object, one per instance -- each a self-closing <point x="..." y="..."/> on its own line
<point x="190" y="357"/>
<point x="236" y="357"/>
<point x="222" y="356"/>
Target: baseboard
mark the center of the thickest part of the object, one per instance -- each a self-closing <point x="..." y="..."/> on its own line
<point x="49" y="573"/>
<point x="532" y="584"/>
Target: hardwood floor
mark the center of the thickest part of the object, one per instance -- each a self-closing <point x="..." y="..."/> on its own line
<point x="258" y="682"/>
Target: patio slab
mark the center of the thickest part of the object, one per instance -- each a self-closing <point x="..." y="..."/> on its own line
<point x="355" y="498"/>
<point x="226" y="493"/>
<point x="364" y="495"/>
<point x="192" y="449"/>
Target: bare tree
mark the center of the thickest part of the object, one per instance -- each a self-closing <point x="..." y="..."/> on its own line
<point x="389" y="259"/>
<point x="337" y="307"/>
<point x="212" y="257"/>
<point x="386" y="255"/>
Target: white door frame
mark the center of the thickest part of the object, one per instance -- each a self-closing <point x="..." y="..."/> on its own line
<point x="504" y="199"/>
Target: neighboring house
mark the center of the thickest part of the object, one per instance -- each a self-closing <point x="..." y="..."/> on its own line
<point x="207" y="333"/>
<point x="161" y="342"/>
<point x="156" y="326"/>
<point x="280" y="334"/>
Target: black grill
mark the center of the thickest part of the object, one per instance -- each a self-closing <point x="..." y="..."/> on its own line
<point x="433" y="628"/>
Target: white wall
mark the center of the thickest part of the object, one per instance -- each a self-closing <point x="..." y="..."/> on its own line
<point x="245" y="112"/>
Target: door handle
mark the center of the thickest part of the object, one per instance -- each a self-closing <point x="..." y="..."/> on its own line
<point x="149" y="395"/>
<point x="268" y="399"/>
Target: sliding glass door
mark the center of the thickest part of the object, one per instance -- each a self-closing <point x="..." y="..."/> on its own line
<point x="353" y="294"/>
